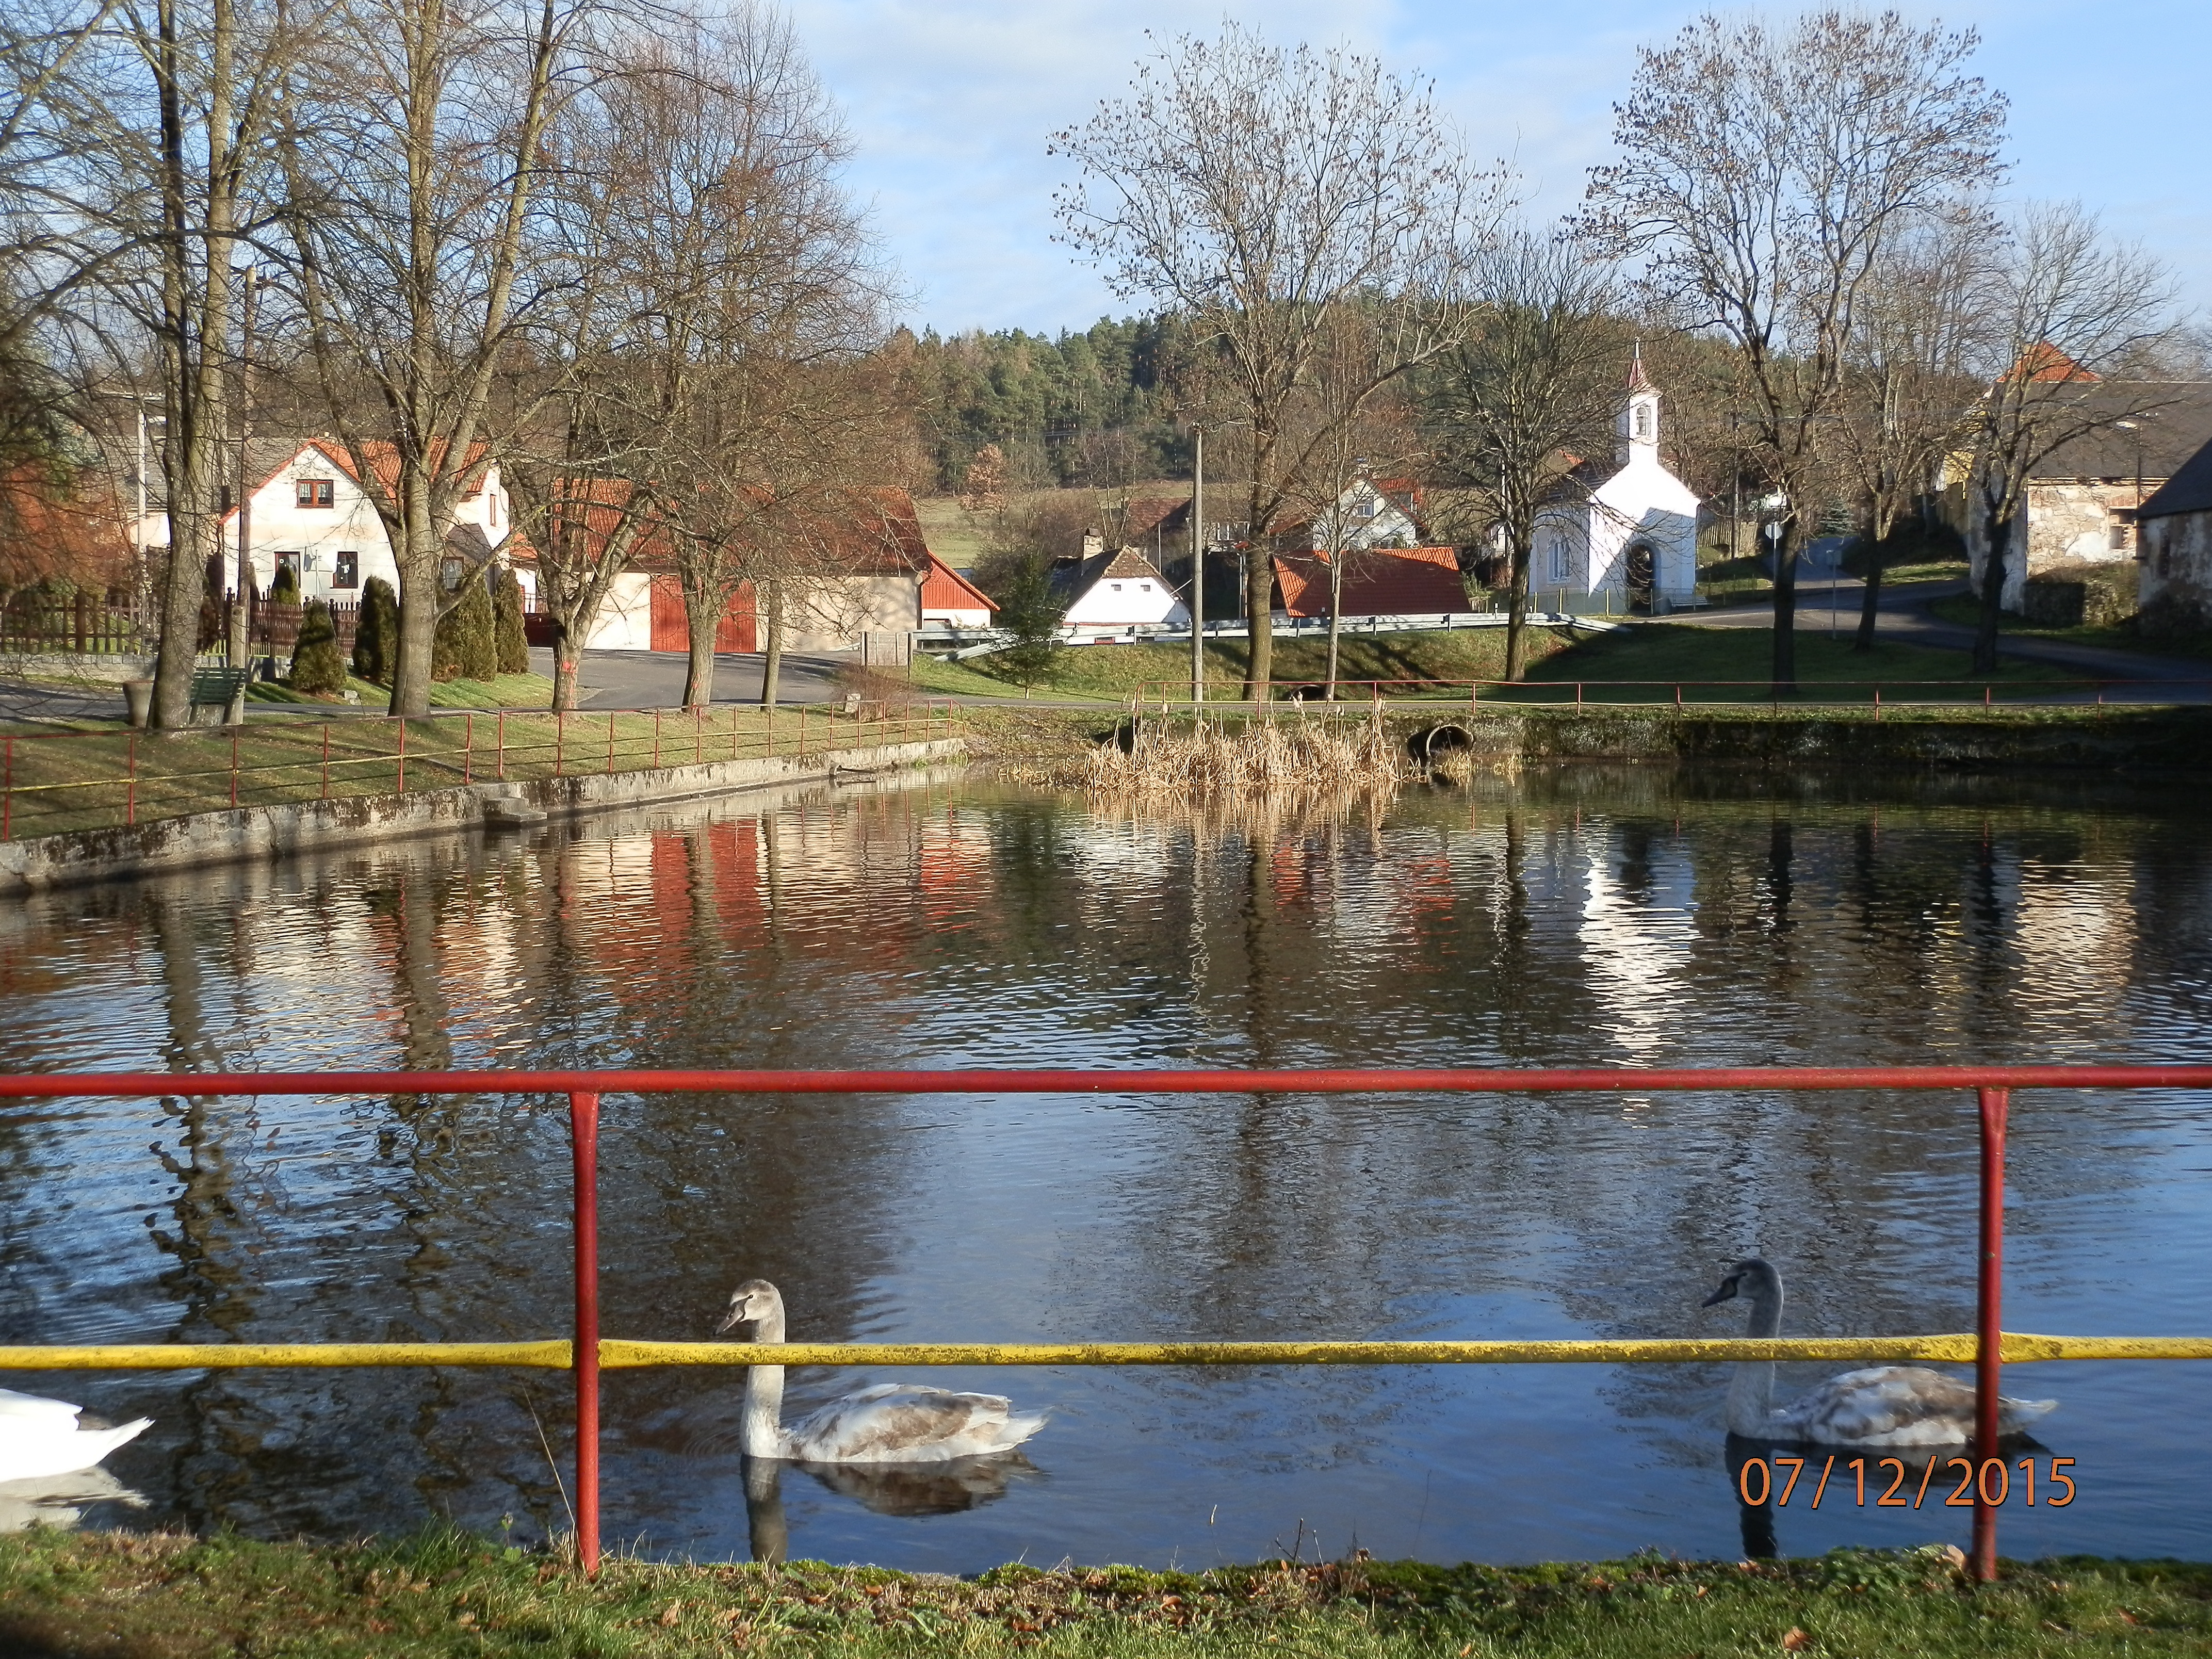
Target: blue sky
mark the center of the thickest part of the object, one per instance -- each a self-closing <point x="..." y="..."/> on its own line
<point x="952" y="100"/>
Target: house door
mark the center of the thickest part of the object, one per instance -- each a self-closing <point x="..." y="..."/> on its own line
<point x="734" y="632"/>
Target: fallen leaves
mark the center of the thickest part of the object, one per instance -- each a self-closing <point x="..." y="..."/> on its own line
<point x="1797" y="1641"/>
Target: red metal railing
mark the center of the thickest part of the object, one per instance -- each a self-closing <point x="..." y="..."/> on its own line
<point x="1991" y="1085"/>
<point x="47" y="783"/>
<point x="1684" y="693"/>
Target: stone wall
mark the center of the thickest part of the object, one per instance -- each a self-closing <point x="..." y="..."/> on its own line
<point x="2176" y="574"/>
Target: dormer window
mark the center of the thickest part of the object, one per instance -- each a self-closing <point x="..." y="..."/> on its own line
<point x="1364" y="508"/>
<point x="313" y="492"/>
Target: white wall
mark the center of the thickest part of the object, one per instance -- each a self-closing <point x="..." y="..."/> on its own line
<point x="1129" y="601"/>
<point x="625" y="621"/>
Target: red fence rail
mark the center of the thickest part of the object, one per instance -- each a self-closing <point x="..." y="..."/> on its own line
<point x="65" y="780"/>
<point x="1684" y="693"/>
<point x="1991" y="1087"/>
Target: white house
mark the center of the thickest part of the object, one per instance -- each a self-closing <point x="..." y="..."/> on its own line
<point x="1634" y="532"/>
<point x="1371" y="512"/>
<point x="310" y="513"/>
<point x="1117" y="593"/>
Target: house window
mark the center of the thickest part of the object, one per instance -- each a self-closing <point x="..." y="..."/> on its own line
<point x="314" y="492"/>
<point x="1144" y="587"/>
<point x="288" y="561"/>
<point x="449" y="574"/>
<point x="1558" y="558"/>
<point x="348" y="574"/>
<point x="2124" y="529"/>
<point x="1364" y="508"/>
<point x="1117" y="587"/>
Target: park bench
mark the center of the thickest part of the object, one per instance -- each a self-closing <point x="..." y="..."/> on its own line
<point x="216" y="688"/>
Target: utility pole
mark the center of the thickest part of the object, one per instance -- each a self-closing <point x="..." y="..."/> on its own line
<point x="239" y="642"/>
<point x="1197" y="567"/>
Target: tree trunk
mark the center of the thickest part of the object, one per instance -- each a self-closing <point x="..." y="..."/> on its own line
<point x="772" y="658"/>
<point x="1259" y="583"/>
<point x="1516" y="610"/>
<point x="1335" y="616"/>
<point x="1870" y="605"/>
<point x="1785" y="608"/>
<point x="568" y="666"/>
<point x="418" y="631"/>
<point x="1998" y="539"/>
<point x="701" y="612"/>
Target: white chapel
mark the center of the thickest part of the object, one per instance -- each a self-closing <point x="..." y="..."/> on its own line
<point x="1633" y="535"/>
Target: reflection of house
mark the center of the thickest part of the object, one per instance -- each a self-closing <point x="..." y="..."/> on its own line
<point x="312" y="513"/>
<point x="1116" y="592"/>
<point x="2082" y="499"/>
<point x="2176" y="527"/>
<point x="1417" y="582"/>
<point x="1627" y="534"/>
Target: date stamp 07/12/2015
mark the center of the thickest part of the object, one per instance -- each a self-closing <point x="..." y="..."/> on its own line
<point x="1762" y="1480"/>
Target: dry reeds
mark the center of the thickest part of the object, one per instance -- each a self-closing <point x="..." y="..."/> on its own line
<point x="1305" y="755"/>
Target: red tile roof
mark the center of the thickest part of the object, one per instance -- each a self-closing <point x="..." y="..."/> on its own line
<point x="946" y="589"/>
<point x="1411" y="581"/>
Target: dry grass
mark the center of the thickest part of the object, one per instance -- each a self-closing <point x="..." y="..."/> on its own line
<point x="1302" y="754"/>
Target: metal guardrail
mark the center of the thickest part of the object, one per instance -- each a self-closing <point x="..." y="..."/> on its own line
<point x="286" y="758"/>
<point x="587" y="1354"/>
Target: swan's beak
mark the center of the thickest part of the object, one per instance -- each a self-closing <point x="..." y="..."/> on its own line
<point x="736" y="1317"/>
<point x="1726" y="1293"/>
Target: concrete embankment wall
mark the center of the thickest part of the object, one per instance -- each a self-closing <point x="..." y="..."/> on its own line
<point x="251" y="833"/>
<point x="2120" y="741"/>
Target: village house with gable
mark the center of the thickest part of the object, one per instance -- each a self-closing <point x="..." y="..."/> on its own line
<point x="2174" y="526"/>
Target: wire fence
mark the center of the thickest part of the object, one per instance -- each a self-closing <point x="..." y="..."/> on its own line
<point x="1874" y="694"/>
<point x="1988" y="1348"/>
<point x="61" y="781"/>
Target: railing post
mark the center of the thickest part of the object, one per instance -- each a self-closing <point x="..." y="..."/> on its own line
<point x="698" y="737"/>
<point x="1988" y="1326"/>
<point x="560" y="738"/>
<point x="469" y="747"/>
<point x="130" y="793"/>
<point x="402" y="788"/>
<point x="584" y="1139"/>
<point x="326" y="760"/>
<point x="499" y="740"/>
<point x="234" y="766"/>
<point x="768" y="717"/>
<point x="7" y="787"/>
<point x="656" y="739"/>
<point x="611" y="743"/>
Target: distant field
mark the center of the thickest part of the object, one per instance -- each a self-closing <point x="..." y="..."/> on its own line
<point x="956" y="539"/>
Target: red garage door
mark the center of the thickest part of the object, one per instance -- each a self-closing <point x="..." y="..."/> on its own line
<point x="735" y="632"/>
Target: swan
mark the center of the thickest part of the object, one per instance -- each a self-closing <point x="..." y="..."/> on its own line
<point x="890" y="1423"/>
<point x="39" y="1438"/>
<point x="1881" y="1406"/>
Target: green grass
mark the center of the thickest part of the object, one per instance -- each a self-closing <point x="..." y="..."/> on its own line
<point x="66" y="1595"/>
<point x="501" y="691"/>
<point x="1663" y="653"/>
<point x="1115" y="673"/>
<point x="73" y="780"/>
<point x="1966" y="610"/>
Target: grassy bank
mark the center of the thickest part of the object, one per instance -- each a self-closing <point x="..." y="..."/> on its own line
<point x="1965" y="611"/>
<point x="63" y="782"/>
<point x="1668" y="653"/>
<point x="501" y="691"/>
<point x="71" y="1593"/>
<point x="1115" y="673"/>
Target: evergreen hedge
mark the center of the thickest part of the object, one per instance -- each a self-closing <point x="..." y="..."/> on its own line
<point x="513" y="644"/>
<point x="376" y="637"/>
<point x="466" y="646"/>
<point x="318" y="665"/>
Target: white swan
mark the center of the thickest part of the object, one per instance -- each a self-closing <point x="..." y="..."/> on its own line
<point x="39" y="1438"/>
<point x="890" y="1423"/>
<point x="1881" y="1406"/>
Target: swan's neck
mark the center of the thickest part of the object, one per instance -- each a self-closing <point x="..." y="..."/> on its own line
<point x="1751" y="1393"/>
<point x="760" y="1430"/>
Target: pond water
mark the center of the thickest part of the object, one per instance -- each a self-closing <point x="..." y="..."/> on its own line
<point x="1583" y="916"/>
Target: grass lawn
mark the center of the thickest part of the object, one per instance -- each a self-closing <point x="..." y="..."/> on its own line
<point x="64" y="1595"/>
<point x="1117" y="671"/>
<point x="501" y="691"/>
<point x="1966" y="610"/>
<point x="67" y="780"/>
<point x="1666" y="652"/>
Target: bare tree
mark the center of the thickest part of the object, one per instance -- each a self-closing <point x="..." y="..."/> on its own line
<point x="414" y="164"/>
<point x="1906" y="379"/>
<point x="1765" y="173"/>
<point x="1259" y="192"/>
<point x="133" y="148"/>
<point x="1529" y="385"/>
<point x="2065" y="309"/>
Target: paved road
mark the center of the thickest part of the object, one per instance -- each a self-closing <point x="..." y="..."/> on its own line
<point x="1904" y="617"/>
<point x="655" y="679"/>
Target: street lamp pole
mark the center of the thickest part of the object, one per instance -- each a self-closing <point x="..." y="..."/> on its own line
<point x="237" y="641"/>
<point x="1198" y="567"/>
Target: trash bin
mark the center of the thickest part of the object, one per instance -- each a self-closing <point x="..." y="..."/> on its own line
<point x="138" y="698"/>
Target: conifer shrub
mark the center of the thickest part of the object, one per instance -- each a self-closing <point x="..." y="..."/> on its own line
<point x="466" y="647"/>
<point x="513" y="653"/>
<point x="285" y="590"/>
<point x="319" y="666"/>
<point x="376" y="635"/>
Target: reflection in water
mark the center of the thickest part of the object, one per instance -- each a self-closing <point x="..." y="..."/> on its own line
<point x="1581" y="916"/>
<point x="61" y="1500"/>
<point x="905" y="1490"/>
<point x="1790" y="1476"/>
